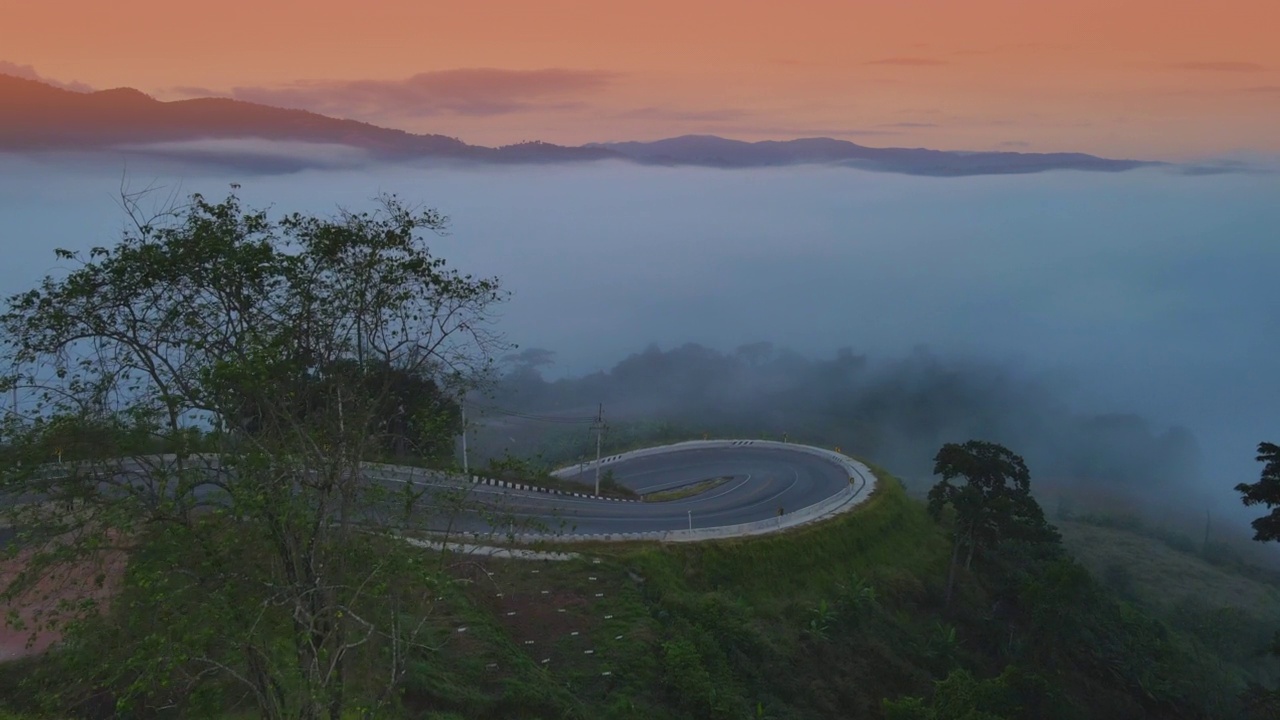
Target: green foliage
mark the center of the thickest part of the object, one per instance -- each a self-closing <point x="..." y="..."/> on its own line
<point x="889" y="530"/>
<point x="995" y="500"/>
<point x="1013" y="695"/>
<point x="821" y="618"/>
<point x="992" y="505"/>
<point x="271" y="357"/>
<point x="686" y="677"/>
<point x="1265" y="492"/>
<point x="1266" y="528"/>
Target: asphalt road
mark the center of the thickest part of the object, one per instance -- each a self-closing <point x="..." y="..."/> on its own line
<point x="763" y="480"/>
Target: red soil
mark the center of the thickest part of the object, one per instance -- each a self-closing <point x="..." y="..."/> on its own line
<point x="38" y="606"/>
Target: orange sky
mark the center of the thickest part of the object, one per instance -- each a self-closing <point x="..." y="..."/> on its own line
<point x="1135" y="78"/>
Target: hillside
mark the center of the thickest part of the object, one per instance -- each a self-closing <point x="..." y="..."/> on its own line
<point x="844" y="619"/>
<point x="39" y="117"/>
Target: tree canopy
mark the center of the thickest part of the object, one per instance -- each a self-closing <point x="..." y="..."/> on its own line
<point x="1265" y="492"/>
<point x="992" y="504"/>
<point x="267" y="359"/>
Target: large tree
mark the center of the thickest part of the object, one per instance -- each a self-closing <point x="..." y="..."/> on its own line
<point x="268" y="358"/>
<point x="992" y="503"/>
<point x="1265" y="492"/>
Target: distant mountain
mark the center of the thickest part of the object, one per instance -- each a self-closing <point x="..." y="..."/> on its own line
<point x="712" y="151"/>
<point x="39" y="117"/>
<point x="35" y="116"/>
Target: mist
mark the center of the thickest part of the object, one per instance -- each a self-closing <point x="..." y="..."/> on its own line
<point x="1048" y="299"/>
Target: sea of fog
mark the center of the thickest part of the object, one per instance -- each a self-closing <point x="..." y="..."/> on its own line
<point x="1149" y="291"/>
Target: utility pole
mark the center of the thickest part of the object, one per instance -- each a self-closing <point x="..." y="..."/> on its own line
<point x="599" y="438"/>
<point x="465" y="469"/>
<point x="690" y="519"/>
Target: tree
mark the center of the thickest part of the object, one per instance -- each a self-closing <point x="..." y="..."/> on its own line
<point x="1265" y="492"/>
<point x="269" y="358"/>
<point x="1261" y="701"/>
<point x="1014" y="693"/>
<point x="417" y="417"/>
<point x="992" y="504"/>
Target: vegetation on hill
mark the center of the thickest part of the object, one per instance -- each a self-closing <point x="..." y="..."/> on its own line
<point x="272" y="357"/>
<point x="843" y="619"/>
<point x="254" y="586"/>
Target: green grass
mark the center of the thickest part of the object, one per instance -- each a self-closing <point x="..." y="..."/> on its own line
<point x="889" y="533"/>
<point x="1160" y="576"/>
<point x="686" y="491"/>
<point x="697" y="630"/>
<point x="825" y="620"/>
<point x="1228" y="612"/>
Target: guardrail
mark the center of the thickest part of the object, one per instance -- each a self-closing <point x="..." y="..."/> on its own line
<point x="862" y="483"/>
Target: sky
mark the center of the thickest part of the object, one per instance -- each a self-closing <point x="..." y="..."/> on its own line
<point x="1147" y="79"/>
<point x="1147" y="291"/>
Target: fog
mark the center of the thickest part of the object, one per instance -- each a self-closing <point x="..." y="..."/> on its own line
<point x="1148" y="292"/>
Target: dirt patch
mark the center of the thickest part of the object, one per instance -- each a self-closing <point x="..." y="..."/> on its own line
<point x="545" y="617"/>
<point x="44" y="603"/>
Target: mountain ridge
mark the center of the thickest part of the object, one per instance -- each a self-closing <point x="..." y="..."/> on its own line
<point x="38" y="117"/>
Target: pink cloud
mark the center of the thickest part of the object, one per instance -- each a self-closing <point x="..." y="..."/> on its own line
<point x="28" y="72"/>
<point x="909" y="62"/>
<point x="1222" y="66"/>
<point x="468" y="91"/>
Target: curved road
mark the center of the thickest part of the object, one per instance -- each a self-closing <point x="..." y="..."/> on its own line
<point x="763" y="480"/>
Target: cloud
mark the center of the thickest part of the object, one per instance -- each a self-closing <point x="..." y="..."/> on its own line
<point x="908" y="62"/>
<point x="665" y="113"/>
<point x="1262" y="89"/>
<point x="193" y="91"/>
<point x="1012" y="48"/>
<point x="28" y="72"/>
<point x="909" y="125"/>
<point x="809" y="132"/>
<point x="1224" y="66"/>
<point x="319" y="154"/>
<point x="476" y="92"/>
<point x="1013" y="144"/>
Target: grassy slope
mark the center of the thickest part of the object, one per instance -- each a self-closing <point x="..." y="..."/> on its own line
<point x="1229" y="611"/>
<point x="706" y="630"/>
<point x="822" y="622"/>
<point x="1161" y="577"/>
